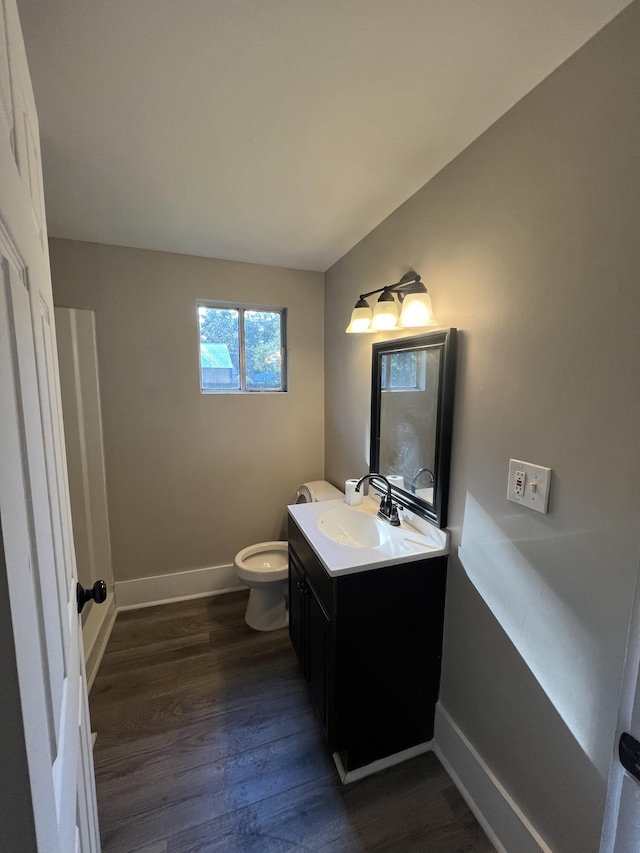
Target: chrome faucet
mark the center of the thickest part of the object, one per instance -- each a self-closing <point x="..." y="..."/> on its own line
<point x="388" y="509"/>
<point x="417" y="476"/>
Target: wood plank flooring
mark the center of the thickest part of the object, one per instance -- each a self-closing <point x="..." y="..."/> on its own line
<point x="207" y="743"/>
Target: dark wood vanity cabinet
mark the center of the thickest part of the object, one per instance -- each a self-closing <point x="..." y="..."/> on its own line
<point x="310" y="627"/>
<point x="369" y="644"/>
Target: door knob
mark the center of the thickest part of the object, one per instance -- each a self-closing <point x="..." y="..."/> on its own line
<point x="98" y="593"/>
<point x="629" y="754"/>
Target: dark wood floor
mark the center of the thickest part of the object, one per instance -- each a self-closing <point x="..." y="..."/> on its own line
<point x="207" y="742"/>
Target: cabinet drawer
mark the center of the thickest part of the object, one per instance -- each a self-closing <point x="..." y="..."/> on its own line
<point x="322" y="583"/>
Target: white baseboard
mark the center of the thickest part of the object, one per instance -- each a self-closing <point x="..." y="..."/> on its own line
<point x="347" y="776"/>
<point x="504" y="822"/>
<point x="95" y="635"/>
<point x="177" y="586"/>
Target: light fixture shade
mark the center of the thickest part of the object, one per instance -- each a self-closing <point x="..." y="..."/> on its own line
<point x="409" y="292"/>
<point x="417" y="311"/>
<point x="385" y="314"/>
<point x="360" y="319"/>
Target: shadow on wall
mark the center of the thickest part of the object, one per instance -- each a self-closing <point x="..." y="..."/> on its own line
<point x="566" y="660"/>
<point x="531" y="749"/>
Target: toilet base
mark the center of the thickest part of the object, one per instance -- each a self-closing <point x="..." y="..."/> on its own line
<point x="267" y="608"/>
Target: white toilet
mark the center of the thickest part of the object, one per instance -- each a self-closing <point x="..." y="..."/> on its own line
<point x="264" y="568"/>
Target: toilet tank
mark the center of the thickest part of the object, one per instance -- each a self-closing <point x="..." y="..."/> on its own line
<point x="317" y="490"/>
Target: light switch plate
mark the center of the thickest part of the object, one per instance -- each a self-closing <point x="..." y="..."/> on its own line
<point x="529" y="485"/>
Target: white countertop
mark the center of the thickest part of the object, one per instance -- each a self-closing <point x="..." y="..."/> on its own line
<point x="410" y="542"/>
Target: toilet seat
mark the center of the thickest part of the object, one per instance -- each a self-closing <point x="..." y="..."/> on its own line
<point x="263" y="563"/>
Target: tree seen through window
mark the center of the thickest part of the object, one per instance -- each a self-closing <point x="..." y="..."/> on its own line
<point x="241" y="349"/>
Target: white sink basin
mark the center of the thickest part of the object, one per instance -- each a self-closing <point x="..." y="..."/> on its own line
<point x="353" y="538"/>
<point x="355" y="529"/>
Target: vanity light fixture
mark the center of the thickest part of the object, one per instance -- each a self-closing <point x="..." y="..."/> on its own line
<point x="416" y="311"/>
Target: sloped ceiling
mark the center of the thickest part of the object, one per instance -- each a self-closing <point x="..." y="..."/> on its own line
<point x="272" y="131"/>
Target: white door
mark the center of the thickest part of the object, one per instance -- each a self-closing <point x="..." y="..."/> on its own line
<point x="50" y="802"/>
<point x="621" y="833"/>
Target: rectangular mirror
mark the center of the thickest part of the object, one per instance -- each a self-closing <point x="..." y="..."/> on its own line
<point x="412" y="392"/>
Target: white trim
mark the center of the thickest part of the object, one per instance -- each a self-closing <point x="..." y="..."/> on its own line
<point x="347" y="776"/>
<point x="177" y="586"/>
<point x="503" y="821"/>
<point x="95" y="635"/>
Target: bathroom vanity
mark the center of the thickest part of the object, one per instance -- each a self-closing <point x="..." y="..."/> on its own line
<point x="366" y="596"/>
<point x="367" y="630"/>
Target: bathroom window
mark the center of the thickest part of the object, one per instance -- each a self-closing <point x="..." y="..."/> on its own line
<point x="403" y="371"/>
<point x="242" y="348"/>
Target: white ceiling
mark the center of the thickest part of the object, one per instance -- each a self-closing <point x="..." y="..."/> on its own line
<point x="272" y="131"/>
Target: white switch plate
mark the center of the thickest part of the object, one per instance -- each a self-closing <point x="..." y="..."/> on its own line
<point x="534" y="492"/>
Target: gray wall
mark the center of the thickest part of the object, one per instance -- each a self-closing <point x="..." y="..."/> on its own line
<point x="192" y="478"/>
<point x="529" y="244"/>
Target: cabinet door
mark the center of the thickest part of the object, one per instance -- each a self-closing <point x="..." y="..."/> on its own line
<point x="319" y="664"/>
<point x="297" y="609"/>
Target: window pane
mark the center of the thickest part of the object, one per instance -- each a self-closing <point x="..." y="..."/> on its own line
<point x="403" y="372"/>
<point x="262" y="348"/>
<point x="219" y="349"/>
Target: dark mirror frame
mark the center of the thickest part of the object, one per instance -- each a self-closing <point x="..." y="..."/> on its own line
<point x="446" y="339"/>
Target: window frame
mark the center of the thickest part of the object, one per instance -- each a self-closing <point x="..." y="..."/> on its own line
<point x="241" y="308"/>
<point x="420" y="373"/>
